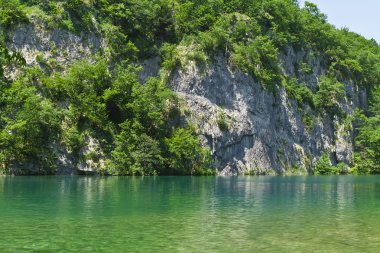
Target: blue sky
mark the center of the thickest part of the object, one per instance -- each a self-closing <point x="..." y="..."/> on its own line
<point x="360" y="16"/>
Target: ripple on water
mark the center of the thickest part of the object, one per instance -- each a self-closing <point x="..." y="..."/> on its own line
<point x="190" y="214"/>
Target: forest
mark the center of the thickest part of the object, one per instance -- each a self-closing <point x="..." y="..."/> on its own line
<point x="139" y="124"/>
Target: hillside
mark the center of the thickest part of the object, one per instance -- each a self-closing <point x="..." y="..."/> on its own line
<point x="127" y="87"/>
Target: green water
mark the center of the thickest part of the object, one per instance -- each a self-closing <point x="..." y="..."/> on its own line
<point x="190" y="214"/>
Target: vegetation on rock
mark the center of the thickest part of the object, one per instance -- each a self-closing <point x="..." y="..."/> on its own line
<point x="137" y="123"/>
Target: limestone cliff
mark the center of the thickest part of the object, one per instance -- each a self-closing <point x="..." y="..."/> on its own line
<point x="263" y="131"/>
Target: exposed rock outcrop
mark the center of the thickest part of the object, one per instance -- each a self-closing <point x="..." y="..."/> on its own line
<point x="53" y="49"/>
<point x="265" y="130"/>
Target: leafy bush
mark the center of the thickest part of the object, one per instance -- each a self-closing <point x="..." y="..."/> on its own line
<point x="170" y="55"/>
<point x="259" y="58"/>
<point x="367" y="141"/>
<point x="11" y="13"/>
<point x="136" y="154"/>
<point x="222" y="123"/>
<point x="329" y="96"/>
<point x="119" y="47"/>
<point x="130" y="119"/>
<point x="324" y="166"/>
<point x="29" y="124"/>
<point x="186" y="154"/>
<point x="299" y="91"/>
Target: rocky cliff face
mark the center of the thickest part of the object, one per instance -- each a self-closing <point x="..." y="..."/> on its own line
<point x="264" y="132"/>
<point x="248" y="129"/>
<point x="55" y="50"/>
<point x="51" y="49"/>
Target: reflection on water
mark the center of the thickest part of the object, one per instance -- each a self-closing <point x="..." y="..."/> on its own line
<point x="286" y="214"/>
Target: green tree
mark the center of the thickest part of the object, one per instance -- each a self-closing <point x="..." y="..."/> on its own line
<point x="136" y="153"/>
<point x="186" y="153"/>
<point x="324" y="166"/>
<point x="367" y="142"/>
<point x="11" y="13"/>
<point x="329" y="96"/>
<point x="29" y="125"/>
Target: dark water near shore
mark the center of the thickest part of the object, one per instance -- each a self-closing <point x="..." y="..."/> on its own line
<point x="190" y="214"/>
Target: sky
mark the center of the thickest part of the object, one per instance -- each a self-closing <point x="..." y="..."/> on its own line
<point x="360" y="16"/>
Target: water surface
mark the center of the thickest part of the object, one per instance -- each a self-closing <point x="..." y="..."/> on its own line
<point x="190" y="214"/>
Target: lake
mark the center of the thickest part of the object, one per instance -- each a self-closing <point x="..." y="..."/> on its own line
<point x="190" y="214"/>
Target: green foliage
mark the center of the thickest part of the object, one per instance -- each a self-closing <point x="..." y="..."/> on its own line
<point x="186" y="154"/>
<point x="119" y="47"/>
<point x="251" y="34"/>
<point x="135" y="154"/>
<point x="313" y="10"/>
<point x="222" y="123"/>
<point x="135" y="122"/>
<point x="28" y="125"/>
<point x="130" y="119"/>
<point x="308" y="119"/>
<point x="324" y="166"/>
<point x="8" y="57"/>
<point x="170" y="55"/>
<point x="82" y="87"/>
<point x="146" y="110"/>
<point x="194" y="16"/>
<point x="146" y="22"/>
<point x="259" y="58"/>
<point x="305" y="68"/>
<point x="11" y="13"/>
<point x="367" y="142"/>
<point x="73" y="139"/>
<point x="145" y="145"/>
<point x="298" y="91"/>
<point x="329" y="96"/>
<point x="4" y="59"/>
